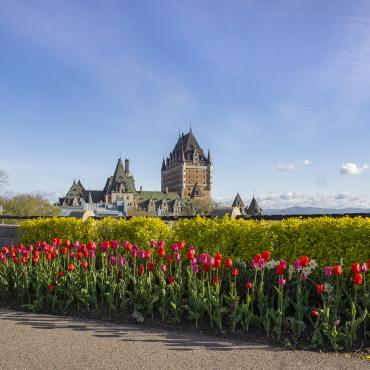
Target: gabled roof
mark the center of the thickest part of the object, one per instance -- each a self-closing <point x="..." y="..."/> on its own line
<point x="196" y="192"/>
<point x="238" y="202"/>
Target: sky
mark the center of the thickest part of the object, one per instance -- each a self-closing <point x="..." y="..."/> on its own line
<point x="277" y="90"/>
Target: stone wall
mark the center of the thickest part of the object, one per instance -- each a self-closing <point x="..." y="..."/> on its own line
<point x="8" y="234"/>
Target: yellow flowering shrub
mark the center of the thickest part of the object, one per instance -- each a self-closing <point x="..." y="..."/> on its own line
<point x="325" y="239"/>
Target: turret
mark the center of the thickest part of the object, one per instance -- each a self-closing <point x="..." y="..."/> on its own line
<point x="127" y="167"/>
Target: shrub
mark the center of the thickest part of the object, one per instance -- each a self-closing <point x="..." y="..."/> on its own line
<point x="326" y="239"/>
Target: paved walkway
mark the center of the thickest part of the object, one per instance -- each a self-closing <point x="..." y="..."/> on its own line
<point x="34" y="341"/>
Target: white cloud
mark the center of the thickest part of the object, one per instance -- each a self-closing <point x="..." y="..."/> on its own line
<point x="352" y="169"/>
<point x="290" y="167"/>
<point x="321" y="200"/>
<point x="300" y="199"/>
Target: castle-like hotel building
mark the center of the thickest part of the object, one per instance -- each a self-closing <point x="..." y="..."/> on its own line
<point x="186" y="174"/>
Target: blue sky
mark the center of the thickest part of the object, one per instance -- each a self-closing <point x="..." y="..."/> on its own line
<point x="278" y="90"/>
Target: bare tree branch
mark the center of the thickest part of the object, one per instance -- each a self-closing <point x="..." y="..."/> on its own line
<point x="3" y="178"/>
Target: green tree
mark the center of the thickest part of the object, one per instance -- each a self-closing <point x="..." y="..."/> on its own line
<point x="27" y="205"/>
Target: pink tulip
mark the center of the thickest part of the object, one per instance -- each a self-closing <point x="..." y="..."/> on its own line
<point x="203" y="257"/>
<point x="261" y="263"/>
<point x="175" y="247"/>
<point x="164" y="268"/>
<point x="283" y="264"/>
<point x="152" y="244"/>
<point x="211" y="261"/>
<point x="282" y="281"/>
<point x="142" y="254"/>
<point x="328" y="271"/>
<point x="178" y="257"/>
<point x="254" y="264"/>
<point x="364" y="267"/>
<point x="297" y="264"/>
<point x="195" y="269"/>
<point x="122" y="261"/>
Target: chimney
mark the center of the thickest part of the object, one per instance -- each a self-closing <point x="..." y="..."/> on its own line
<point x="127" y="167"/>
<point x="141" y="188"/>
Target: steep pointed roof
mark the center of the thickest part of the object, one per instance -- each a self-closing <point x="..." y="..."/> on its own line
<point x="163" y="165"/>
<point x="188" y="143"/>
<point x="196" y="192"/>
<point x="238" y="202"/>
<point x="209" y="160"/>
<point x="254" y="208"/>
<point x="119" y="172"/>
<point x="79" y="184"/>
<point x="89" y="198"/>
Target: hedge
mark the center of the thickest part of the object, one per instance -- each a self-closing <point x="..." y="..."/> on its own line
<point x="325" y="239"/>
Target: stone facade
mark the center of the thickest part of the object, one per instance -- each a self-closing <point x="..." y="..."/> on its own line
<point x="187" y="170"/>
<point x="186" y="175"/>
<point x="120" y="197"/>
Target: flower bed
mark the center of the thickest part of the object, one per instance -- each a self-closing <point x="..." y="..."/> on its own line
<point x="296" y="303"/>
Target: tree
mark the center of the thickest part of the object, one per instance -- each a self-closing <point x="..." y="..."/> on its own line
<point x="197" y="207"/>
<point x="27" y="205"/>
<point x="3" y="179"/>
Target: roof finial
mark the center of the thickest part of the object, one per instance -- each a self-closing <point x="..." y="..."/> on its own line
<point x="190" y="127"/>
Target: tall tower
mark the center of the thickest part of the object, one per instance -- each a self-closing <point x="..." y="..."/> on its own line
<point x="187" y="170"/>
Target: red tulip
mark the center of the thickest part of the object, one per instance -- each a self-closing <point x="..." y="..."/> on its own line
<point x="319" y="289"/>
<point x="257" y="257"/>
<point x="355" y="267"/>
<point x="234" y="271"/>
<point x="68" y="243"/>
<point x="141" y="270"/>
<point x="171" y="279"/>
<point x="206" y="266"/>
<point x="64" y="251"/>
<point x="181" y="245"/>
<point x="218" y="256"/>
<point x="315" y="313"/>
<point x="161" y="251"/>
<point x="51" y="288"/>
<point x="190" y="255"/>
<point x="357" y="279"/>
<point x="217" y="264"/>
<point x="71" y="267"/>
<point x="169" y="259"/>
<point x="279" y="270"/>
<point x="84" y="264"/>
<point x="305" y="261"/>
<point x="228" y="262"/>
<point x="337" y="270"/>
<point x="60" y="274"/>
<point x="266" y="255"/>
<point x="248" y="285"/>
<point x="151" y="266"/>
<point x="216" y="280"/>
<point x="15" y="259"/>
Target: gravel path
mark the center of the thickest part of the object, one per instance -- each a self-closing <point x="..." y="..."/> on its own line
<point x="35" y="341"/>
